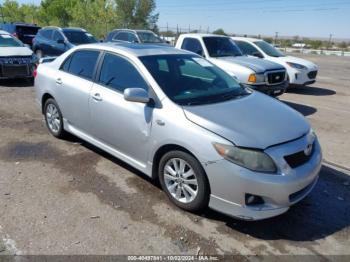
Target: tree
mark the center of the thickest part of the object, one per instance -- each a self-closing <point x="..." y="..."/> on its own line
<point x="219" y="31"/>
<point x="12" y="12"/>
<point x="57" y="11"/>
<point x="137" y="13"/>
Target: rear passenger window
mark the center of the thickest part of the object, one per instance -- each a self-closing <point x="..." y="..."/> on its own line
<point x="81" y="63"/>
<point x="119" y="74"/>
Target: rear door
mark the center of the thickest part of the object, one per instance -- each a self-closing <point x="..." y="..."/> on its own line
<point x="121" y="124"/>
<point x="74" y="83"/>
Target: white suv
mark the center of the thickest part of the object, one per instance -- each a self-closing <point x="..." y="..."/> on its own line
<point x="300" y="71"/>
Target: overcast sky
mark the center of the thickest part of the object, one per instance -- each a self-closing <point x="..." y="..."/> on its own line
<point x="317" y="18"/>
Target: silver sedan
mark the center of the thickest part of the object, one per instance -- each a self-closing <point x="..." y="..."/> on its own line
<point x="180" y="119"/>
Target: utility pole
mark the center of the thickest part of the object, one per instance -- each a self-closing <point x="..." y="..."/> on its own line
<point x="276" y="36"/>
<point x="330" y="41"/>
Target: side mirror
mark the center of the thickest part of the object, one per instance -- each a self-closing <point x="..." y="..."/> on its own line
<point x="137" y="95"/>
<point x="60" y="41"/>
<point x="258" y="54"/>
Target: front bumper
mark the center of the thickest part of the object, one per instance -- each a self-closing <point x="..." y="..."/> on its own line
<point x="302" y="77"/>
<point x="11" y="71"/>
<point x="230" y="183"/>
<point x="272" y="90"/>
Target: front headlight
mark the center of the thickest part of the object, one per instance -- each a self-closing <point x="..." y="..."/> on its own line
<point x="256" y="78"/>
<point x="297" y="66"/>
<point x="252" y="159"/>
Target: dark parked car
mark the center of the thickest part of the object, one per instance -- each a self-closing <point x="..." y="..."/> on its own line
<point x="134" y="36"/>
<point x="24" y="32"/>
<point x="53" y="41"/>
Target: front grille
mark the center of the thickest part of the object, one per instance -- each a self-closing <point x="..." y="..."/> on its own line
<point x="312" y="74"/>
<point x="274" y="78"/>
<point x="299" y="158"/>
<point x="15" y="60"/>
<point x="15" y="70"/>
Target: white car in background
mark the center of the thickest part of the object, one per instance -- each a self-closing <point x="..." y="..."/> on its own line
<point x="300" y="71"/>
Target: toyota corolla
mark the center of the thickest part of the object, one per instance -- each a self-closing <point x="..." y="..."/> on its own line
<point x="178" y="118"/>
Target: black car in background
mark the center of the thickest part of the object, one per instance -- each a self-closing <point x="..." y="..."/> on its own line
<point x="24" y="32"/>
<point x="53" y="41"/>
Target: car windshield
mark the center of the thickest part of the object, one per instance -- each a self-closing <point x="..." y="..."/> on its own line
<point x="9" y="41"/>
<point x="269" y="49"/>
<point x="149" y="37"/>
<point x="192" y="80"/>
<point x="221" y="46"/>
<point x="79" y="37"/>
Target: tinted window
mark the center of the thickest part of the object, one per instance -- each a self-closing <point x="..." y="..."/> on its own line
<point x="81" y="63"/>
<point x="46" y="33"/>
<point x="221" y="46"/>
<point x="122" y="36"/>
<point x="79" y="37"/>
<point x="119" y="74"/>
<point x="57" y="36"/>
<point x="149" y="37"/>
<point x="27" y="30"/>
<point x="192" y="80"/>
<point x="269" y="49"/>
<point x="193" y="45"/>
<point x="246" y="48"/>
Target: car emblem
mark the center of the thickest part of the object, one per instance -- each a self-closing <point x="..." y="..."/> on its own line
<point x="277" y="77"/>
<point x="308" y="150"/>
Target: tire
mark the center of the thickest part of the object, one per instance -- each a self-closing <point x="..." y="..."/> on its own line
<point x="53" y="118"/>
<point x="184" y="200"/>
<point x="39" y="53"/>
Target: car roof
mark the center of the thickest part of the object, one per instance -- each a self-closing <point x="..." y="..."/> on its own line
<point x="136" y="49"/>
<point x="131" y="30"/>
<point x="201" y="35"/>
<point x="248" y="39"/>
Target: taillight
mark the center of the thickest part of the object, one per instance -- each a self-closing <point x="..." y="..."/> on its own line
<point x="35" y="72"/>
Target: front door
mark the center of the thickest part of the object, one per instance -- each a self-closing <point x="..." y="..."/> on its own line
<point x="123" y="125"/>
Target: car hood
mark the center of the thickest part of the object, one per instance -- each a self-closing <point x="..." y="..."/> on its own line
<point x="256" y="64"/>
<point x="15" y="51"/>
<point x="253" y="121"/>
<point x="298" y="60"/>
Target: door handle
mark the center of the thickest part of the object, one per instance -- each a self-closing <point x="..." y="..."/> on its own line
<point x="59" y="81"/>
<point x="97" y="97"/>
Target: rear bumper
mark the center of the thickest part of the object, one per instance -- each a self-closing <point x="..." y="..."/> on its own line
<point x="11" y="71"/>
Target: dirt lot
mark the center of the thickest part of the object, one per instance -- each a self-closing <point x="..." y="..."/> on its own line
<point x="67" y="197"/>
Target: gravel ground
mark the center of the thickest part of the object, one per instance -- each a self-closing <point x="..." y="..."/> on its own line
<point x="67" y="197"/>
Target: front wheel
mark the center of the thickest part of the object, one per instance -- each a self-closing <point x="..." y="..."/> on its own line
<point x="184" y="180"/>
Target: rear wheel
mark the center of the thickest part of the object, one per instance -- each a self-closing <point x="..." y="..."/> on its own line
<point x="184" y="180"/>
<point x="53" y="118"/>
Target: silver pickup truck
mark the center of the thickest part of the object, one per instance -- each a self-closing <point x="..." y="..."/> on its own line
<point x="265" y="76"/>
